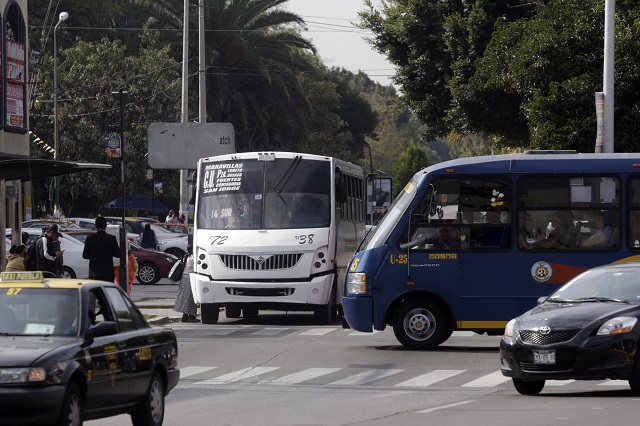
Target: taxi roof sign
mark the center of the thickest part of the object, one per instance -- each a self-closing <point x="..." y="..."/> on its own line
<point x="22" y="276"/>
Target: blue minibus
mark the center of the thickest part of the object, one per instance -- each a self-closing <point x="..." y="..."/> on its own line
<point x="473" y="242"/>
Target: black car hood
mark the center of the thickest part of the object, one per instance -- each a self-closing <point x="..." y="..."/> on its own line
<point x="573" y="315"/>
<point x="23" y="351"/>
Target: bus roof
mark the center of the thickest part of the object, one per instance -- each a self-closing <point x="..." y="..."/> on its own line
<point x="540" y="162"/>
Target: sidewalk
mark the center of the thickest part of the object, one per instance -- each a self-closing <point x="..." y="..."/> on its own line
<point x="158" y="311"/>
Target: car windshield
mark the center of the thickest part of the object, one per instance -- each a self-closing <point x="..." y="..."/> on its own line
<point x="39" y="312"/>
<point x="600" y="285"/>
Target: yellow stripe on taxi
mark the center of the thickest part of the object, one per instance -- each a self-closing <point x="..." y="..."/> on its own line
<point x="35" y="279"/>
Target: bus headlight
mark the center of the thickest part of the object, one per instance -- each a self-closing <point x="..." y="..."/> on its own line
<point x="356" y="283"/>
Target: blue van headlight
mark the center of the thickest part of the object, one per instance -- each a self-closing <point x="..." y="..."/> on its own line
<point x="356" y="283"/>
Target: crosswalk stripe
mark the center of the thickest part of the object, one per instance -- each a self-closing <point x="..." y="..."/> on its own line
<point x="366" y="377"/>
<point x="245" y="373"/>
<point x="488" y="381"/>
<point x="615" y="383"/>
<point x="269" y="331"/>
<point x="192" y="371"/>
<point x="430" y="378"/>
<point x="558" y="382"/>
<point x="303" y="376"/>
<point x="220" y="331"/>
<point x="317" y="331"/>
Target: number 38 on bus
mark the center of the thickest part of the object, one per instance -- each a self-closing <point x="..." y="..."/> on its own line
<point x="471" y="243"/>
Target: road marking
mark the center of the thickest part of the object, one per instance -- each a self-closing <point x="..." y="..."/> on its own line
<point x="221" y="331"/>
<point x="558" y="382"/>
<point x="245" y="373"/>
<point x="430" y="378"/>
<point x="366" y="377"/>
<point x="192" y="371"/>
<point x="362" y="333"/>
<point x="317" y="331"/>
<point x="429" y="410"/>
<point x="303" y="376"/>
<point x="488" y="381"/>
<point x="269" y="331"/>
<point x="615" y="383"/>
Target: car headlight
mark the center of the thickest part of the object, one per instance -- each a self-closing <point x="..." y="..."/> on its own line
<point x="22" y="375"/>
<point x="508" y="331"/>
<point x="617" y="325"/>
<point x="356" y="283"/>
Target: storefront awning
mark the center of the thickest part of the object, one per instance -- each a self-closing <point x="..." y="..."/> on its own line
<point x="27" y="169"/>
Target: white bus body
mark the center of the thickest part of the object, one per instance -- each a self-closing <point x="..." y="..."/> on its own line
<point x="274" y="230"/>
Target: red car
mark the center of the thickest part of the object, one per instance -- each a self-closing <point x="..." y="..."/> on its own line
<point x="152" y="264"/>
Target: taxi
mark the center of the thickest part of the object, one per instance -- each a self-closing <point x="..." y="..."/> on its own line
<point x="79" y="349"/>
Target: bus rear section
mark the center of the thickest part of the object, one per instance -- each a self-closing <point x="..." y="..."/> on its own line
<point x="270" y="233"/>
<point x="472" y="243"/>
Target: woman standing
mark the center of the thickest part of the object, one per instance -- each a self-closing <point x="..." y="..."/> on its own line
<point x="184" y="299"/>
<point x="16" y="259"/>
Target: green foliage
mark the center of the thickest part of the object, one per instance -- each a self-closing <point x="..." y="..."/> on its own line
<point x="414" y="159"/>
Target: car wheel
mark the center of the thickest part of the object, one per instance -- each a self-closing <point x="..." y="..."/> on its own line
<point x="148" y="273"/>
<point x="71" y="414"/>
<point x="210" y="313"/>
<point x="421" y="324"/>
<point x="250" y="312"/>
<point x="150" y="412"/>
<point x="634" y="381"/>
<point x="67" y="272"/>
<point x="176" y="252"/>
<point x="232" y="311"/>
<point x="528" y="388"/>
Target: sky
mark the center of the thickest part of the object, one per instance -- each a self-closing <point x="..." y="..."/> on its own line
<point x="338" y="42"/>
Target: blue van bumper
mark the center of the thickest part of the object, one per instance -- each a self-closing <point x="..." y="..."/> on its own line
<point x="358" y="311"/>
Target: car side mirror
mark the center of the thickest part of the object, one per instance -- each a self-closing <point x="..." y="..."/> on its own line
<point x="103" y="328"/>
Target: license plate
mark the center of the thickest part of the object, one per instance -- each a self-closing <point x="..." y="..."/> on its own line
<point x="544" y="357"/>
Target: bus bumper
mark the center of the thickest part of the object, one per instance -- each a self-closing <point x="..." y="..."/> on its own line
<point x="358" y="311"/>
<point x="314" y="292"/>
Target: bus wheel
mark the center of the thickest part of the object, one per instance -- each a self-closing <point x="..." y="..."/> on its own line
<point x="250" y="312"/>
<point x="421" y="324"/>
<point x="210" y="312"/>
<point x="232" y="311"/>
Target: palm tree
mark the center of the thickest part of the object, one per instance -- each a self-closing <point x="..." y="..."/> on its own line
<point x="254" y="57"/>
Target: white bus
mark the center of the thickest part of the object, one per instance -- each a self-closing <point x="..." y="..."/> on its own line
<point x="274" y="230"/>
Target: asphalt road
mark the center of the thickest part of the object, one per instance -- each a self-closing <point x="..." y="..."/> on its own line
<point x="280" y="369"/>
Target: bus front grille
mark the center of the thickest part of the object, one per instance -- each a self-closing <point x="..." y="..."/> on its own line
<point x="242" y="262"/>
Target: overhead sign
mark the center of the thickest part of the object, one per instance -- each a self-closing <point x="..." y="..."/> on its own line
<point x="181" y="145"/>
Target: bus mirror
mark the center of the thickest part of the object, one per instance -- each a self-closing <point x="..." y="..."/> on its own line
<point x="193" y="180"/>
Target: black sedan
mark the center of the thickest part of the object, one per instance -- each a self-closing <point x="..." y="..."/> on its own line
<point x="74" y="350"/>
<point x="586" y="330"/>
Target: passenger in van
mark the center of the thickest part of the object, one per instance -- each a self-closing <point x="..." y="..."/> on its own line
<point x="601" y="236"/>
<point x="495" y="236"/>
<point x="559" y="237"/>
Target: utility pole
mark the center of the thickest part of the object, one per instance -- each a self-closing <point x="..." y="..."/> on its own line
<point x="185" y="99"/>
<point x="124" y="280"/>
<point x="608" y="75"/>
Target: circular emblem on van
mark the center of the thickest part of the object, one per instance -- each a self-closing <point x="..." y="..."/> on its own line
<point x="541" y="271"/>
<point x="545" y="330"/>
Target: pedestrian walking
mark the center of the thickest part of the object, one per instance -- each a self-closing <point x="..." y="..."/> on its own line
<point x="46" y="254"/>
<point x="184" y="299"/>
<point x="60" y="259"/>
<point x="16" y="258"/>
<point x="148" y="238"/>
<point x="100" y="248"/>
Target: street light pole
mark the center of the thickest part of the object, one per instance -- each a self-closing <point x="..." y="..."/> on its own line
<point x="56" y="188"/>
<point x="124" y="279"/>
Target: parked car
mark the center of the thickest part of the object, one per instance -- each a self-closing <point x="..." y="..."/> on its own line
<point x="76" y="350"/>
<point x="153" y="265"/>
<point x="170" y="242"/>
<point x="43" y="223"/>
<point x="74" y="265"/>
<point x="586" y="330"/>
<point x="177" y="228"/>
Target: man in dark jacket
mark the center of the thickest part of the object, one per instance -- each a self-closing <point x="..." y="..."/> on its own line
<point x="46" y="253"/>
<point x="100" y="248"/>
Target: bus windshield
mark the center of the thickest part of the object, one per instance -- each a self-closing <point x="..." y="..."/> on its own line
<point x="279" y="193"/>
<point x="389" y="221"/>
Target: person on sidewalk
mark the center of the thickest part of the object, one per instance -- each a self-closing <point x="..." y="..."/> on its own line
<point x="16" y="258"/>
<point x="100" y="248"/>
<point x="184" y="299"/>
<point x="46" y="254"/>
<point x="148" y="238"/>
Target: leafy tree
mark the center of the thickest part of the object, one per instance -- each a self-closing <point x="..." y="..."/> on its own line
<point x="414" y="159"/>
